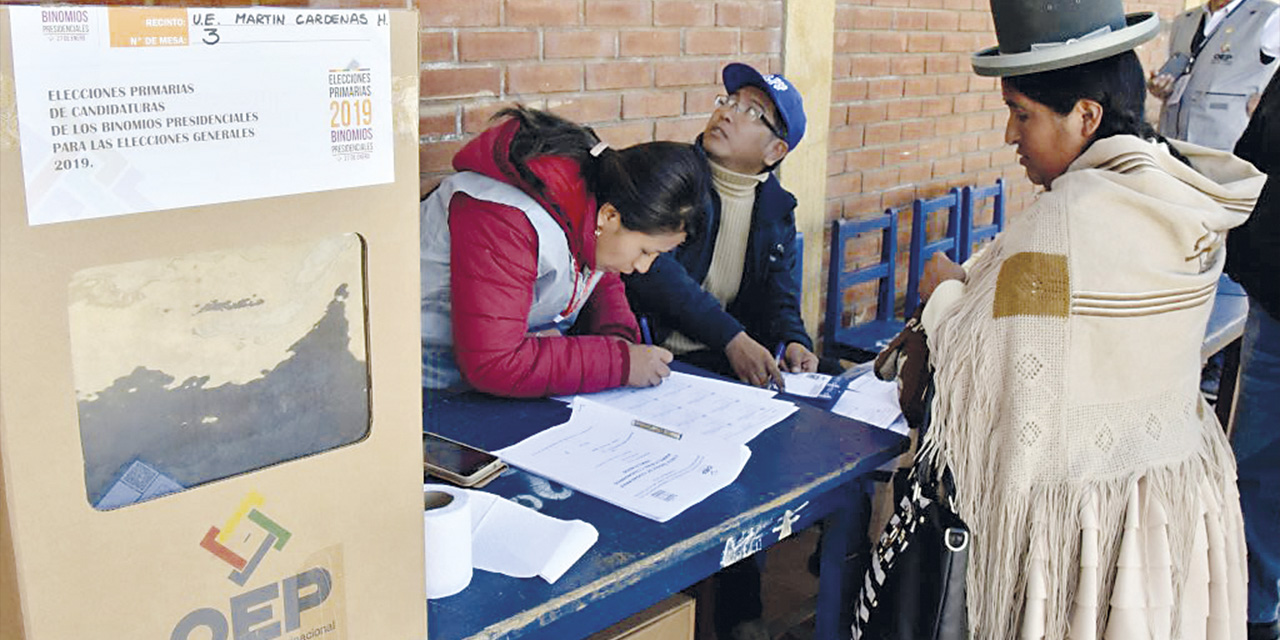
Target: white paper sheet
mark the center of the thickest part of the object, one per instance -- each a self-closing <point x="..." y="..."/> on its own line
<point x="601" y="452"/>
<point x="694" y="405"/>
<point x="873" y="401"/>
<point x="809" y="385"/>
<point x="517" y="541"/>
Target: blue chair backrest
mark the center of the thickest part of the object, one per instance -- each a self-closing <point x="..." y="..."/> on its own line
<point x="973" y="197"/>
<point x="921" y="250"/>
<point x="838" y="280"/>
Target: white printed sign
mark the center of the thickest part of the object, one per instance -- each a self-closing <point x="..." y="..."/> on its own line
<point x="125" y="110"/>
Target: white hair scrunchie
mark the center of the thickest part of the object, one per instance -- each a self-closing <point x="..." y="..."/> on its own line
<point x="599" y="148"/>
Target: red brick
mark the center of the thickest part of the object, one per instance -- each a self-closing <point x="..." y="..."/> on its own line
<point x="619" y="75"/>
<point x="475" y="46"/>
<point x="915" y="172"/>
<point x="739" y="14"/>
<point x="880" y="180"/>
<point x="943" y="20"/>
<point x="845" y="138"/>
<point x="773" y="15"/>
<point x="580" y="44"/>
<point x="1004" y="156"/>
<point x="438" y="122"/>
<point x="437" y="156"/>
<point x="649" y="43"/>
<point x="924" y="42"/>
<point x="958" y="42"/>
<point x="993" y="139"/>
<point x="624" y="135"/>
<point x="905" y="109"/>
<point x="761" y="41"/>
<point x="679" y="129"/>
<point x="978" y="122"/>
<point x="917" y="129"/>
<point x="975" y="21"/>
<point x="964" y="144"/>
<point x="901" y="153"/>
<point x="907" y="66"/>
<point x="458" y="13"/>
<point x="852" y="42"/>
<point x="462" y="82"/>
<point x="652" y="104"/>
<point x="710" y="41"/>
<point x="588" y="108"/>
<point x="977" y="162"/>
<point x="618" y="12"/>
<point x="949" y="126"/>
<point x="993" y="102"/>
<point x="953" y="84"/>
<point x="882" y="133"/>
<point x="961" y="5"/>
<point x="426" y="182"/>
<point x="870" y="66"/>
<point x="881" y="89"/>
<point x="701" y="100"/>
<point x="937" y="106"/>
<point x="862" y="159"/>
<point x="862" y="205"/>
<point x="834" y="210"/>
<point x="686" y="72"/>
<point x="435" y="46"/>
<point x="979" y="83"/>
<point x="871" y="18"/>
<point x="942" y="63"/>
<point x="835" y="164"/>
<point x="968" y="103"/>
<point x="920" y="86"/>
<point x="844" y="184"/>
<point x="477" y="117"/>
<point x="908" y="20"/>
<point x="845" y="13"/>
<point x="838" y="116"/>
<point x="867" y="112"/>
<point x="541" y="13"/>
<point x="932" y="149"/>
<point x="890" y="3"/>
<point x="925" y="4"/>
<point x="888" y="43"/>
<point x="847" y="90"/>
<point x="841" y="66"/>
<point x="944" y="167"/>
<point x="544" y="78"/>
<point x="683" y="14"/>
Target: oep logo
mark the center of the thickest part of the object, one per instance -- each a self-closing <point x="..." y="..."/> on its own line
<point x="252" y="615"/>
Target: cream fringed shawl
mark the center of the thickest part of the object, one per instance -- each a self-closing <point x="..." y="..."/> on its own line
<point x="1099" y="487"/>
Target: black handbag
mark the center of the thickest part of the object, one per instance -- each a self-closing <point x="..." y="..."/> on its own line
<point x="914" y="588"/>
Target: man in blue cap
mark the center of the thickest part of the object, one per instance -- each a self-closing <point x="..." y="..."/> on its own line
<point x="726" y="299"/>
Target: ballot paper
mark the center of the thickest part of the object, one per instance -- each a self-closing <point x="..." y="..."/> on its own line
<point x="874" y="401"/>
<point x="695" y="405"/>
<point x="809" y="385"/>
<point x="650" y="470"/>
<point x="514" y="540"/>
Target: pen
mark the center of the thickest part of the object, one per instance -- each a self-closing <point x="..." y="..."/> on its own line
<point x="777" y="353"/>
<point x="656" y="429"/>
<point x="644" y="330"/>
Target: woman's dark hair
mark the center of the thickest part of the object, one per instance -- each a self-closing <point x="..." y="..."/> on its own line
<point x="1118" y="83"/>
<point x="656" y="187"/>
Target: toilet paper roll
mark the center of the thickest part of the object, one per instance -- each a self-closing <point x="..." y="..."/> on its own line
<point x="446" y="519"/>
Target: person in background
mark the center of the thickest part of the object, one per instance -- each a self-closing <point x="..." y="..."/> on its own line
<point x="521" y="251"/>
<point x="1253" y="259"/>
<point x="1223" y="54"/>
<point x="1098" y="485"/>
<point x="726" y="300"/>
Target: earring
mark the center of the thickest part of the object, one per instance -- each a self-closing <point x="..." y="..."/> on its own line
<point x="599" y="230"/>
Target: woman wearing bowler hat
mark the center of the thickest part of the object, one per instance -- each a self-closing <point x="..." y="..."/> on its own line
<point x="1098" y="485"/>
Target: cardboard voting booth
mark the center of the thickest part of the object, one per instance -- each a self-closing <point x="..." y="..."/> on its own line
<point x="210" y="409"/>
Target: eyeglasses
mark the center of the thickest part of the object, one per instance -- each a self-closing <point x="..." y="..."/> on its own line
<point x="753" y="113"/>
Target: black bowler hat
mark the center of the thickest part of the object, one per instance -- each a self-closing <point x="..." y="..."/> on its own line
<point x="1043" y="35"/>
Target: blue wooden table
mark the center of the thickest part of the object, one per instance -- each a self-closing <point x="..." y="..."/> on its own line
<point x="1224" y="333"/>
<point x="811" y="466"/>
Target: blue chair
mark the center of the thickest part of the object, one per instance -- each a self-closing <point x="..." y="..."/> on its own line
<point x="921" y="250"/>
<point x="971" y="235"/>
<point x="861" y="341"/>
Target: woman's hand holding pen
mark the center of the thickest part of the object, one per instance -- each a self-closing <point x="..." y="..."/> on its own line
<point x="799" y="359"/>
<point x="648" y="365"/>
<point x="752" y="363"/>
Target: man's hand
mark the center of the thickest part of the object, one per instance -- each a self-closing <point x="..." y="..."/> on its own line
<point x="800" y="360"/>
<point x="648" y="365"/>
<point x="936" y="270"/>
<point x="1160" y="85"/>
<point x="751" y="362"/>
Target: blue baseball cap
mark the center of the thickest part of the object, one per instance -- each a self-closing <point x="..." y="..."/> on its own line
<point x="786" y="98"/>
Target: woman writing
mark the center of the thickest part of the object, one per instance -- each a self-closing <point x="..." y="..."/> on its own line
<point x="521" y="252"/>
<point x="1097" y="484"/>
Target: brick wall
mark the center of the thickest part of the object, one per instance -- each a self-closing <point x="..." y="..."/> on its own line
<point x="635" y="70"/>
<point x="910" y="119"/>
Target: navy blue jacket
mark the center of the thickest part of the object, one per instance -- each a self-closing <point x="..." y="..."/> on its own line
<point x="1253" y="249"/>
<point x="767" y="306"/>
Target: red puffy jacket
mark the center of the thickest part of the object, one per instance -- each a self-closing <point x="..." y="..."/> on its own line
<point x="493" y="265"/>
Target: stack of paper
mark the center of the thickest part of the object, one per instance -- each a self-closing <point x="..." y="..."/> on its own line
<point x="692" y="404"/>
<point x="874" y="401"/>
<point x="651" y="470"/>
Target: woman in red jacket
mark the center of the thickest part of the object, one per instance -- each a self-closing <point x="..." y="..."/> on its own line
<point x="521" y="251"/>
